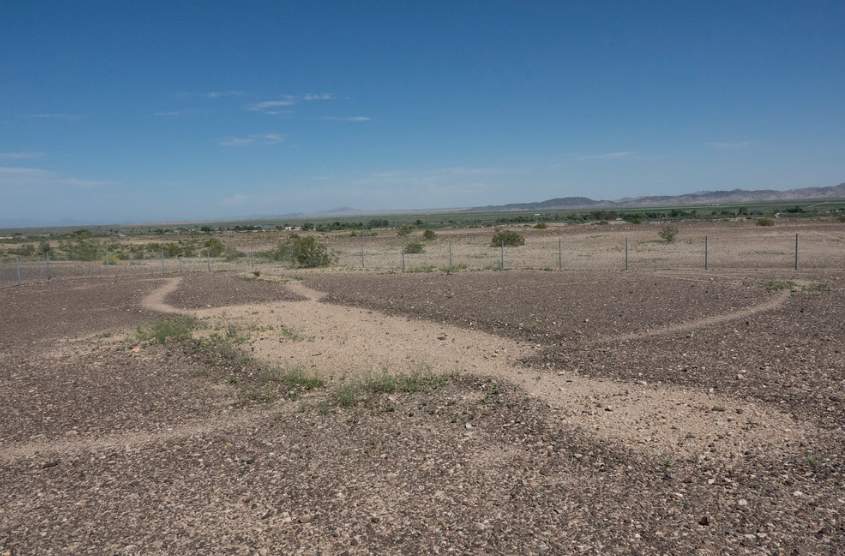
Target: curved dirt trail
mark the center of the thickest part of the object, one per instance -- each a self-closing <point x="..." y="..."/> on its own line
<point x="774" y="302"/>
<point x="154" y="301"/>
<point x="128" y="440"/>
<point x="337" y="341"/>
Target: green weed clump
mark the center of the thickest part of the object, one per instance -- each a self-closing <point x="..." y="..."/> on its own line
<point x="365" y="389"/>
<point x="167" y="329"/>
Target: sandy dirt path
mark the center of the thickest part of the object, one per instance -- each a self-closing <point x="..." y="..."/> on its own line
<point x="337" y="342"/>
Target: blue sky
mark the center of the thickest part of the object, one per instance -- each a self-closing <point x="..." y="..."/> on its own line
<point x="142" y="111"/>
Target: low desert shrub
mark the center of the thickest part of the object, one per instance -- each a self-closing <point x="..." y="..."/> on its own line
<point x="765" y="222"/>
<point x="306" y="252"/>
<point x="429" y="235"/>
<point x="507" y="237"/>
<point x="668" y="233"/>
<point x="413" y="248"/>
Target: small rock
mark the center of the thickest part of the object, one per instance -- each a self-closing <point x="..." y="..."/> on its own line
<point x="704" y="520"/>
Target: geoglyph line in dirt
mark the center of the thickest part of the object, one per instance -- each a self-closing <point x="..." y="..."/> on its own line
<point x="770" y="304"/>
<point x="337" y="341"/>
<point x="128" y="440"/>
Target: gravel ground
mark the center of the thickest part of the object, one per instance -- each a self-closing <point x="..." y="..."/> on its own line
<point x="471" y="467"/>
<point x="68" y="308"/>
<point x="541" y="306"/>
<point x="461" y="469"/>
<point x="199" y="290"/>
<point x="793" y="356"/>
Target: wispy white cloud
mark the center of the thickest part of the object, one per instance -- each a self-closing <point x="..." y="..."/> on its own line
<point x="282" y="105"/>
<point x="15" y="177"/>
<point x="169" y="114"/>
<point x="223" y="94"/>
<point x="55" y="116"/>
<point x="615" y="155"/>
<point x="21" y="155"/>
<point x="350" y="119"/>
<point x="272" y="107"/>
<point x="318" y="96"/>
<point x="729" y="145"/>
<point x="254" y="139"/>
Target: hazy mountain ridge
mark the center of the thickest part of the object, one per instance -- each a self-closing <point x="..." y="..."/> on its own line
<point x="699" y="198"/>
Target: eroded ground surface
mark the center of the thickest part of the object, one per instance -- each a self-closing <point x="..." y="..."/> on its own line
<point x="171" y="451"/>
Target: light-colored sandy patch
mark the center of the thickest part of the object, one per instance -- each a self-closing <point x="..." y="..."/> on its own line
<point x="336" y="341"/>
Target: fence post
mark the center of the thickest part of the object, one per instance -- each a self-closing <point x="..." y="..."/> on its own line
<point x="796" y="251"/>
<point x="502" y="256"/>
<point x="626" y="253"/>
<point x="559" y="255"/>
<point x="362" y="254"/>
<point x="18" y="261"/>
<point x="450" y="254"/>
<point x="47" y="265"/>
<point x="161" y="260"/>
<point x="705" y="253"/>
<point x="208" y="261"/>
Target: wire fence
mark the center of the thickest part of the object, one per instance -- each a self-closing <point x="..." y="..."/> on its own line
<point x="599" y="252"/>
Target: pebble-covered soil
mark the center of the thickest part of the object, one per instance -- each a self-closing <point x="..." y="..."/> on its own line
<point x="542" y="306"/>
<point x="163" y="460"/>
<point x="200" y="290"/>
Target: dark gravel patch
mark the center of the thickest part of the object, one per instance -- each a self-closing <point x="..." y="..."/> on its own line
<point x="68" y="308"/>
<point x="199" y="290"/>
<point x="541" y="306"/>
<point x="89" y="390"/>
<point x="792" y="357"/>
<point x="408" y="476"/>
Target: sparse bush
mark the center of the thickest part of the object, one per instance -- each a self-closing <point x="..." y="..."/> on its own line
<point x="214" y="247"/>
<point x="429" y="235"/>
<point x="507" y="237"/>
<point x="413" y="248"/>
<point x="306" y="252"/>
<point x="404" y="230"/>
<point x="171" y="328"/>
<point x="765" y="222"/>
<point x="540" y="225"/>
<point x="668" y="232"/>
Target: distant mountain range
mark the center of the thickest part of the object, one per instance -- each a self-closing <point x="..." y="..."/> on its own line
<point x="701" y="198"/>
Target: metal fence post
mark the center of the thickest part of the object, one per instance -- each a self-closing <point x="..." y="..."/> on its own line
<point x="502" y="256"/>
<point x="362" y="254"/>
<point x="161" y="260"/>
<point x="796" y="251"/>
<point x="47" y="265"/>
<point x="402" y="251"/>
<point x="626" y="253"/>
<point x="18" y="261"/>
<point x="450" y="255"/>
<point x="208" y="261"/>
<point x="559" y="255"/>
<point x="705" y="253"/>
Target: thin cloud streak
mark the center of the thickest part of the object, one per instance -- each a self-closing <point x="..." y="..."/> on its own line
<point x="350" y="119"/>
<point x="55" y="116"/>
<point x="616" y="155"/>
<point x="729" y="145"/>
<point x="16" y="177"/>
<point x="254" y="139"/>
<point x="20" y="155"/>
